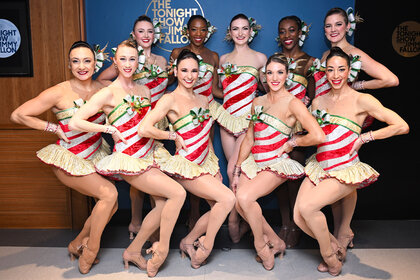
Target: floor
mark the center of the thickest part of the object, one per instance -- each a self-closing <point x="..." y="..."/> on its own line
<point x="383" y="250"/>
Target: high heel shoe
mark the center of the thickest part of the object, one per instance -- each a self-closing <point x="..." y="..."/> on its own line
<point x="75" y="251"/>
<point x="133" y="230"/>
<point x="338" y="249"/>
<point x="277" y="246"/>
<point x="201" y="254"/>
<point x="346" y="241"/>
<point x="135" y="258"/>
<point x="267" y="257"/>
<point x="187" y="250"/>
<point x="87" y="258"/>
<point x="156" y="261"/>
<point x="334" y="265"/>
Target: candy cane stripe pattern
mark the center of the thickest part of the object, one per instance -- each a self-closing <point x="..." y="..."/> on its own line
<point x="82" y="144"/>
<point x="155" y="79"/>
<point x="194" y="128"/>
<point x="203" y="85"/>
<point x="239" y="89"/>
<point x="127" y="122"/>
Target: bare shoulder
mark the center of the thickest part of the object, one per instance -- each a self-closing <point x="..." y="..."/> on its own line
<point x="98" y="86"/>
<point x="161" y="61"/>
<point x="224" y="58"/>
<point x="324" y="55"/>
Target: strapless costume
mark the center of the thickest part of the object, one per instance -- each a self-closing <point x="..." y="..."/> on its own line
<point x="333" y="158"/>
<point x="78" y="157"/>
<point x="137" y="156"/>
<point x="239" y="89"/>
<point x="270" y="134"/>
<point x="204" y="86"/>
<point x="198" y="159"/>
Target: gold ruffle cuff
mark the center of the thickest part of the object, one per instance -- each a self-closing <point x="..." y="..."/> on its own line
<point x="360" y="173"/>
<point x="285" y="168"/>
<point x="233" y="125"/>
<point x="70" y="163"/>
<point x="180" y="167"/>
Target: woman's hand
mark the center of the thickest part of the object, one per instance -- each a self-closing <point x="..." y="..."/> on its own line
<point x="219" y="176"/>
<point x="286" y="148"/>
<point x="180" y="144"/>
<point x="234" y="184"/>
<point x="356" y="146"/>
<point x="60" y="133"/>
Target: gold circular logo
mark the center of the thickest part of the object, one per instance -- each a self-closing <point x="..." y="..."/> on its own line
<point x="406" y="38"/>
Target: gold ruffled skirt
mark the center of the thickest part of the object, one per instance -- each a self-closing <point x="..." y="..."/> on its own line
<point x="233" y="125"/>
<point x="163" y="124"/>
<point x="360" y="174"/>
<point x="73" y="165"/>
<point x="122" y="164"/>
<point x="284" y="167"/>
<point x="180" y="167"/>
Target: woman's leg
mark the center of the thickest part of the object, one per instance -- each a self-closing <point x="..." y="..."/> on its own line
<point x="137" y="199"/>
<point x="342" y="230"/>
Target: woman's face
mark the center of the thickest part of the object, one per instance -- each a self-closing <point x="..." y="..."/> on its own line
<point x="197" y="32"/>
<point x="335" y="28"/>
<point x="289" y="34"/>
<point x="82" y="63"/>
<point x="144" y="34"/>
<point x="187" y="72"/>
<point x="337" y="71"/>
<point x="276" y="75"/>
<point x="240" y="31"/>
<point x="127" y="60"/>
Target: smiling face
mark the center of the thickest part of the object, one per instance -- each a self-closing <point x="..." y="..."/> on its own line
<point x="289" y="34"/>
<point x="82" y="63"/>
<point x="126" y="59"/>
<point x="240" y="31"/>
<point x="187" y="72"/>
<point x="276" y="75"/>
<point x="144" y="34"/>
<point x="197" y="32"/>
<point x="337" y="71"/>
<point x="335" y="28"/>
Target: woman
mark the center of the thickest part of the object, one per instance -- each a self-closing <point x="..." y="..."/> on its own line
<point x="302" y="86"/>
<point x="198" y="31"/>
<point x="239" y="79"/>
<point x="126" y="103"/>
<point x="73" y="156"/>
<point x="336" y="171"/>
<point x="268" y="139"/>
<point x="194" y="165"/>
<point x="154" y="76"/>
<point x="336" y="26"/>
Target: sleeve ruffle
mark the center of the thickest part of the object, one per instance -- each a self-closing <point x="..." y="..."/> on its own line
<point x="233" y="125"/>
<point x="360" y="174"/>
<point x="180" y="167"/>
<point x="122" y="164"/>
<point x="59" y="157"/>
<point x="284" y="167"/>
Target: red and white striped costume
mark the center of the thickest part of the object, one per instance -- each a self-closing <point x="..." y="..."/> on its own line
<point x="155" y="79"/>
<point x="239" y="89"/>
<point x="203" y="85"/>
<point x="76" y="158"/>
<point x="197" y="160"/>
<point x="333" y="158"/>
<point x="136" y="156"/>
<point x="270" y="134"/>
<point x="299" y="81"/>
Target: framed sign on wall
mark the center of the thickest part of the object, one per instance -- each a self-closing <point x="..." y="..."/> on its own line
<point x="15" y="39"/>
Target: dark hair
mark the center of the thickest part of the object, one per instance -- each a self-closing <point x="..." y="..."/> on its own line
<point x="186" y="53"/>
<point x="194" y="17"/>
<point x="339" y="11"/>
<point x="81" y="44"/>
<point x="238" y="16"/>
<point x="142" y="18"/>
<point x="127" y="43"/>
<point x="279" y="58"/>
<point x="294" y="18"/>
<point x="337" y="51"/>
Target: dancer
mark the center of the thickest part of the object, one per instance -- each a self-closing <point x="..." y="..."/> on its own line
<point x="337" y="24"/>
<point x="73" y="156"/>
<point x="195" y="166"/>
<point x="335" y="171"/>
<point x="126" y="104"/>
<point x="153" y="74"/>
<point x="198" y="31"/>
<point x="292" y="34"/>
<point x="239" y="79"/>
<point x="263" y="162"/>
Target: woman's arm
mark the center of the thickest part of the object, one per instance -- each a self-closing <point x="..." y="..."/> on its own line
<point x="26" y="114"/>
<point x="174" y="55"/>
<point x="108" y="75"/>
<point x="382" y="76"/>
<point x="396" y="125"/>
<point x="216" y="90"/>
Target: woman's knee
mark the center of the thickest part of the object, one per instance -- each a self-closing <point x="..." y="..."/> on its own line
<point x="243" y="198"/>
<point x="180" y="194"/>
<point x="229" y="200"/>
